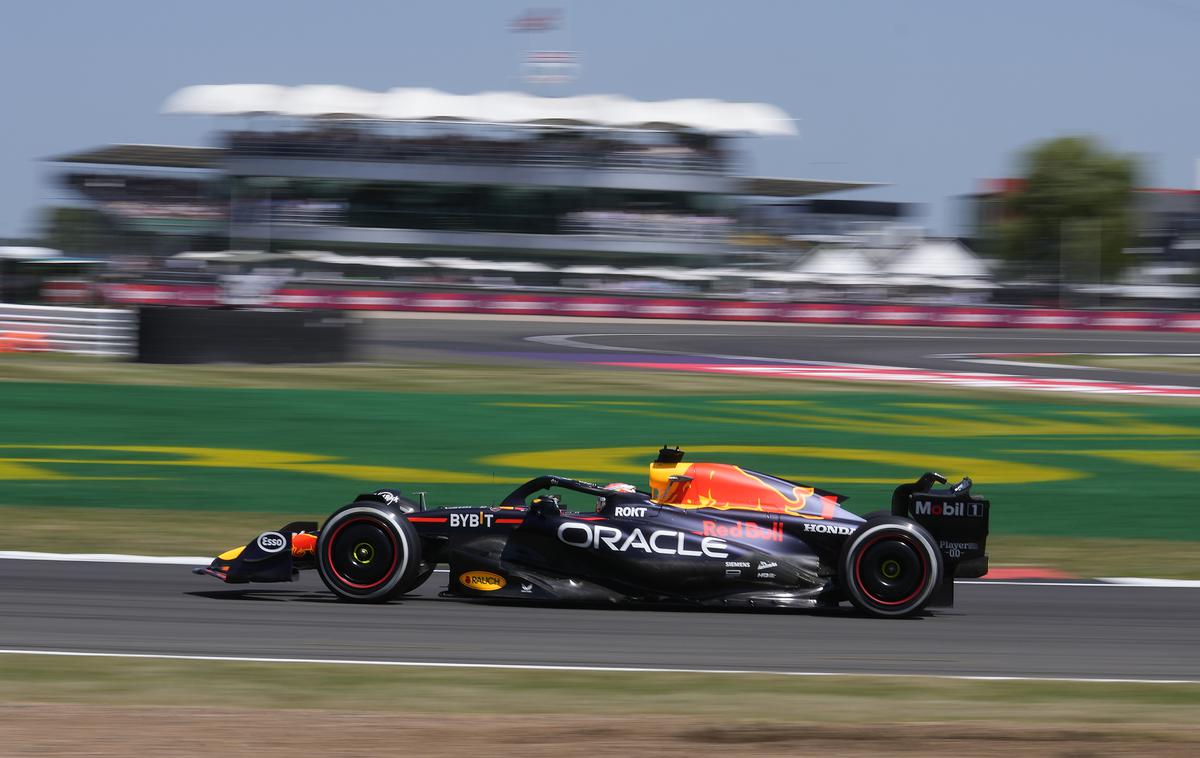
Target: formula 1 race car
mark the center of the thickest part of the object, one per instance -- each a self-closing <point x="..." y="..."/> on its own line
<point x="708" y="534"/>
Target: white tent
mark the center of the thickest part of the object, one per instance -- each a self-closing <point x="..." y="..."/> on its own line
<point x="232" y="256"/>
<point x="588" y="270"/>
<point x="838" y="265"/>
<point x="322" y="256"/>
<point x="728" y="272"/>
<point x="423" y="104"/>
<point x="470" y="264"/>
<point x="670" y="273"/>
<point x="941" y="259"/>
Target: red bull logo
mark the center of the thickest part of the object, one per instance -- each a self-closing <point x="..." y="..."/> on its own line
<point x="303" y="544"/>
<point x="744" y="530"/>
<point x="725" y="487"/>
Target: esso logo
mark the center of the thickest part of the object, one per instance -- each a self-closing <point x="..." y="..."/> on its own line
<point x="271" y="542"/>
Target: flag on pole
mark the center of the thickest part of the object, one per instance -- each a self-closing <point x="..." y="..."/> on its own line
<point x="537" y="20"/>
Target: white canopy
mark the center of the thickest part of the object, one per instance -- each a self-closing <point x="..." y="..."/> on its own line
<point x="469" y="264"/>
<point x="232" y="256"/>
<point x="597" y="270"/>
<point x="422" y="104"/>
<point x="838" y="262"/>
<point x="938" y="258"/>
<point x="671" y="273"/>
<point x="322" y="256"/>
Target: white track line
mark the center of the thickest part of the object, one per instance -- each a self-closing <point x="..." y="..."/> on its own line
<point x="569" y="340"/>
<point x="1026" y="364"/>
<point x="594" y="669"/>
<point x="1135" y="581"/>
<point x="1105" y="582"/>
<point x="841" y="371"/>
<point x="165" y="560"/>
<point x="923" y="332"/>
<point x="896" y="374"/>
<point x="182" y="560"/>
<point x="190" y="560"/>
<point x="1054" y="355"/>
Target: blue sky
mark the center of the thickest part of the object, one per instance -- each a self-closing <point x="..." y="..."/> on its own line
<point x="925" y="95"/>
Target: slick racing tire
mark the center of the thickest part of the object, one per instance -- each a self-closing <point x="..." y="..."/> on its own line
<point x="890" y="567"/>
<point x="368" y="553"/>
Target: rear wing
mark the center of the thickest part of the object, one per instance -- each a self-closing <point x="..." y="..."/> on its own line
<point x="957" y="519"/>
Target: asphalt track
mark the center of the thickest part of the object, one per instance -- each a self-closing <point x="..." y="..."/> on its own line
<point x="598" y="340"/>
<point x="1092" y="632"/>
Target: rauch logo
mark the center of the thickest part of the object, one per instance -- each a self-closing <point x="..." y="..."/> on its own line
<point x="482" y="580"/>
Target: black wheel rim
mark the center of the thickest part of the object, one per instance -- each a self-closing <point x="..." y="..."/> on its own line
<point x="891" y="570"/>
<point x="362" y="553"/>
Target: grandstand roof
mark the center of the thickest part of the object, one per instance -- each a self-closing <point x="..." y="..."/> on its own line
<point x="763" y="186"/>
<point x="421" y="104"/>
<point x="178" y="156"/>
<point x="168" y="156"/>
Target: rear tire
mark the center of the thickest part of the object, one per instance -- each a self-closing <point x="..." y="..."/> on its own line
<point x="368" y="553"/>
<point x="891" y="567"/>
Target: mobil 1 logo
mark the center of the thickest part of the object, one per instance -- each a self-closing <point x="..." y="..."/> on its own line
<point x="959" y="508"/>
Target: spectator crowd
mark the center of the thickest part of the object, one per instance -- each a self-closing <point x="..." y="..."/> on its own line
<point x="570" y="150"/>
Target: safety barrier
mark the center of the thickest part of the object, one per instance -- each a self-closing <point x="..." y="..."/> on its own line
<point x="87" y="331"/>
<point x="231" y="335"/>
<point x="672" y="308"/>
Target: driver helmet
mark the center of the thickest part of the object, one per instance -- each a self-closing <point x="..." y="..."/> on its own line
<point x="614" y="487"/>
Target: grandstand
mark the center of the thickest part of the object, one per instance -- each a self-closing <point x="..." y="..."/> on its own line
<point x="418" y="173"/>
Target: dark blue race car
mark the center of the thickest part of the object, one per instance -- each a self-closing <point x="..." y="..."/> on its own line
<point x="709" y="534"/>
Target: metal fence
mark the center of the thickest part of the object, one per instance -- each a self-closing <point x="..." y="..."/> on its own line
<point x="87" y="331"/>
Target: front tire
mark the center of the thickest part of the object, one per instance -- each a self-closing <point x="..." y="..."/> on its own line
<point x="891" y="567"/>
<point x="368" y="553"/>
<point x="420" y="577"/>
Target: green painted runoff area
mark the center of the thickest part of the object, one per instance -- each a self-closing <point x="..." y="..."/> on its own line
<point x="1053" y="468"/>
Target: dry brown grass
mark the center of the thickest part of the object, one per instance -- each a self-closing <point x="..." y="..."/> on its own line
<point x="52" y="706"/>
<point x="537" y="731"/>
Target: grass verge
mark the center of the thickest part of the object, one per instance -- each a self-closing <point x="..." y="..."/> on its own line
<point x="29" y="678"/>
<point x="1091" y="557"/>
